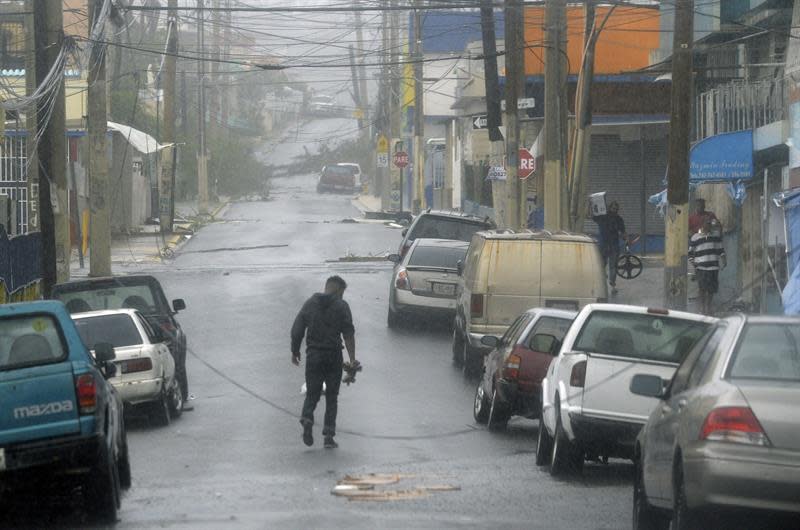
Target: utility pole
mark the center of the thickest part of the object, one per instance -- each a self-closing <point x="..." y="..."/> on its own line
<point x="224" y="111"/>
<point x="384" y="110"/>
<point x="202" y="153"/>
<point x="356" y="94"/>
<point x="515" y="88"/>
<point x="97" y="127"/>
<point x="30" y="120"/>
<point x="395" y="74"/>
<point x="213" y="108"/>
<point x="165" y="187"/>
<point x="419" y="112"/>
<point x="362" y="69"/>
<point x="53" y="205"/>
<point x="555" y="115"/>
<point x="677" y="218"/>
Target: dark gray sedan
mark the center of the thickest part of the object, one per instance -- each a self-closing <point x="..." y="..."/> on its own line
<point x="725" y="436"/>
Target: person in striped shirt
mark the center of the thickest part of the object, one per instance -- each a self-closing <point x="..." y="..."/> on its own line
<point x="708" y="257"/>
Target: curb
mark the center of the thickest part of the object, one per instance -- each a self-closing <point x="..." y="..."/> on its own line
<point x="174" y="242"/>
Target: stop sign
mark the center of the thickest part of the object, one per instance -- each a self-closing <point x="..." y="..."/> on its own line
<point x="527" y="163"/>
<point x="400" y="159"/>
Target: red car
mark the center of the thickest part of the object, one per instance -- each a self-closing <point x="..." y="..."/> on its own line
<point x="513" y="370"/>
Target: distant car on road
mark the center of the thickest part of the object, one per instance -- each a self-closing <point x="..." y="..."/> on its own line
<point x="338" y="177"/>
<point x="145" y="375"/>
<point x="359" y="176"/>
<point x="724" y="436"/>
<point x="59" y="415"/>
<point x="322" y="105"/>
<point x="513" y="370"/>
<point x="424" y="282"/>
<point x="438" y="224"/>
<point x="588" y="411"/>
<point x="141" y="292"/>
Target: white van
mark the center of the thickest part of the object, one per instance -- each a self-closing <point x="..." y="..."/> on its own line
<point x="508" y="272"/>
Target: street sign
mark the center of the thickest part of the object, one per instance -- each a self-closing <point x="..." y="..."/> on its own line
<point x="527" y="163"/>
<point x="480" y="122"/>
<point x="383" y="144"/>
<point x="383" y="160"/>
<point x="400" y="159"/>
<point x="522" y="104"/>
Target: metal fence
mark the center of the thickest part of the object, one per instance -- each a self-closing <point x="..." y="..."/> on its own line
<point x="739" y="106"/>
<point x="14" y="176"/>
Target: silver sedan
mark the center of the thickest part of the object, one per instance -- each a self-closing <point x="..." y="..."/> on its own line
<point x="725" y="436"/>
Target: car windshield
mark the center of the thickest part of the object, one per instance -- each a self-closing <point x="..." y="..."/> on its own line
<point x="768" y="351"/>
<point x="139" y="297"/>
<point x="29" y="340"/>
<point x="642" y="336"/>
<point x="339" y="170"/>
<point x="434" y="227"/>
<point x="117" y="330"/>
<point x="440" y="257"/>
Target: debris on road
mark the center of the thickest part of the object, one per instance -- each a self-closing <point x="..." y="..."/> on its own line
<point x="369" y="488"/>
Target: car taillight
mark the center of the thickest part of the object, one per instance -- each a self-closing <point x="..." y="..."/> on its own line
<point x="401" y="281"/>
<point x="733" y="424"/>
<point x="136" y="365"/>
<point x="86" y="389"/>
<point x="511" y="368"/>
<point x="476" y="305"/>
<point x="578" y="376"/>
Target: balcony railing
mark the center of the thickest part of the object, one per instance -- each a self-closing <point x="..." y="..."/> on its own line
<point x="739" y="106"/>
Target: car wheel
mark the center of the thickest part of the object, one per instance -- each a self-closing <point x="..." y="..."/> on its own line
<point x="102" y="492"/>
<point x="160" y="414"/>
<point x="458" y="347"/>
<point x="480" y="409"/>
<point x="683" y="517"/>
<point x="124" y="465"/>
<point x="645" y="517"/>
<point x="498" y="414"/>
<point x="544" y="445"/>
<point x="564" y="457"/>
<point x="392" y="319"/>
<point x="176" y="400"/>
<point x="471" y="361"/>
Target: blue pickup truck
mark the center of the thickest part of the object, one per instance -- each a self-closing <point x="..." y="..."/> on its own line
<point x="58" y="414"/>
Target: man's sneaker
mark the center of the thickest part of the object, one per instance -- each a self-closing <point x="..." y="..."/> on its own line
<point x="330" y="443"/>
<point x="308" y="436"/>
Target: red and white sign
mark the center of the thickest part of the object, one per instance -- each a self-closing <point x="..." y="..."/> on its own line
<point x="527" y="163"/>
<point x="400" y="159"/>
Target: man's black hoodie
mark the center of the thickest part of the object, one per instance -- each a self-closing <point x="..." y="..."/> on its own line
<point x="324" y="319"/>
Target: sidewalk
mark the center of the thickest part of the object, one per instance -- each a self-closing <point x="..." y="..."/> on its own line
<point x="367" y="204"/>
<point x="147" y="245"/>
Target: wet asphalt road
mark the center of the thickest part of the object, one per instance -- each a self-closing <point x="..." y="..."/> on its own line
<point x="237" y="460"/>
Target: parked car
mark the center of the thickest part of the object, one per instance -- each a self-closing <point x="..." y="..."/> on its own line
<point x="356" y="168"/>
<point x="145" y="369"/>
<point x="434" y="224"/>
<point x="513" y="370"/>
<point x="322" y="105"/>
<point x="424" y="282"/>
<point x="338" y="177"/>
<point x="60" y="417"/>
<point x="141" y="292"/>
<point x="725" y="432"/>
<point x="588" y="411"/>
<point x="507" y="272"/>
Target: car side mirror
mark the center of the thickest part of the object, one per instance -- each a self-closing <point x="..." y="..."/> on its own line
<point x="104" y="352"/>
<point x="460" y="267"/>
<point x="394" y="258"/>
<point x="542" y="342"/>
<point x="178" y="305"/>
<point x="490" y="341"/>
<point x="404" y="232"/>
<point x="648" y="385"/>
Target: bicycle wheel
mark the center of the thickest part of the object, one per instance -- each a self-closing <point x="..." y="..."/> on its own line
<point x="629" y="266"/>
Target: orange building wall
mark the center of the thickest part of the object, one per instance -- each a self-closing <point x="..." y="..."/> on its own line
<point x="630" y="34"/>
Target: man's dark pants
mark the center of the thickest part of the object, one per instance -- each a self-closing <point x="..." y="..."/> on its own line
<point x="323" y="367"/>
<point x="611" y="256"/>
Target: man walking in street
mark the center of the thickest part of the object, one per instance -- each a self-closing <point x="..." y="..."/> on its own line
<point x="324" y="320"/>
<point x="612" y="228"/>
<point x="708" y="257"/>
